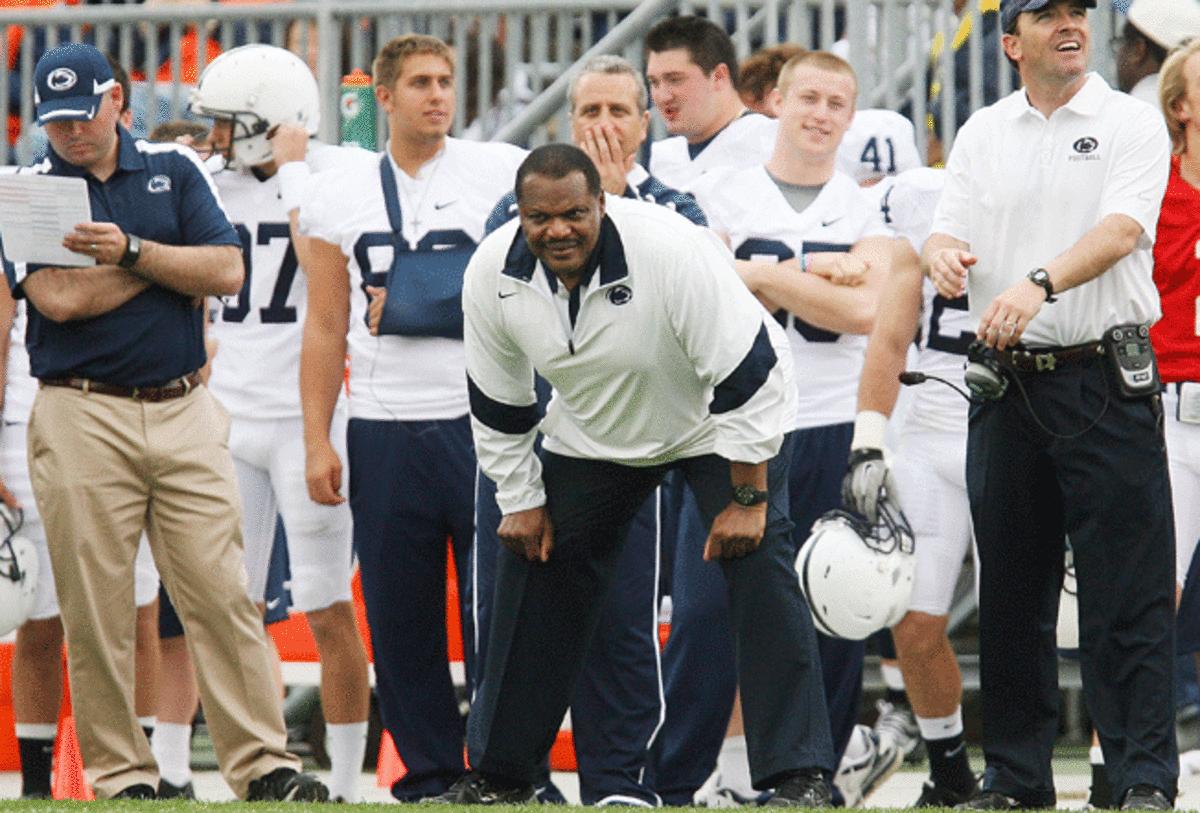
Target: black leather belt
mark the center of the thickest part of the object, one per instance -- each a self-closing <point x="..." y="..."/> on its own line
<point x="177" y="388"/>
<point x="1048" y="359"/>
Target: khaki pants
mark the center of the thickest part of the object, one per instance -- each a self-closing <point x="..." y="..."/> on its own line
<point x="103" y="468"/>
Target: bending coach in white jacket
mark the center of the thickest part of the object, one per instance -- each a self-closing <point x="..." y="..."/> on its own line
<point x="659" y="358"/>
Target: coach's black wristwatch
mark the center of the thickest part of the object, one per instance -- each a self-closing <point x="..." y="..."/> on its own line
<point x="1039" y="276"/>
<point x="133" y="250"/>
<point x="748" y="496"/>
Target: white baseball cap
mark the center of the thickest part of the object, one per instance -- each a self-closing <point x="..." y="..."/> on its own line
<point x="1166" y="22"/>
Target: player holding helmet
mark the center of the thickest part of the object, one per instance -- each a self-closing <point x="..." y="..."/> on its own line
<point x="264" y="105"/>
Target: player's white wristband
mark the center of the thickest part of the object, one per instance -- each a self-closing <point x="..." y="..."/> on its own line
<point x="293" y="180"/>
<point x="869" y="430"/>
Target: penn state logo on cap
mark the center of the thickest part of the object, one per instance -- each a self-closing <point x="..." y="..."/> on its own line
<point x="69" y="83"/>
<point x="61" y="79"/>
<point x="620" y="294"/>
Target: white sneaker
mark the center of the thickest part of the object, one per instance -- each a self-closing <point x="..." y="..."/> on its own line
<point x="898" y="724"/>
<point x="713" y="794"/>
<point x="866" y="764"/>
<point x="1189" y="763"/>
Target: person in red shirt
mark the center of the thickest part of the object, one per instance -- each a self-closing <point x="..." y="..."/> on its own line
<point x="1176" y="336"/>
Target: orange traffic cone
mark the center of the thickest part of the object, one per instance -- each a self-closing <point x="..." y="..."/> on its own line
<point x="388" y="766"/>
<point x="69" y="779"/>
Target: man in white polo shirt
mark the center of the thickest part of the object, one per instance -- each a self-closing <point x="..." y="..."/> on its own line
<point x="1048" y="220"/>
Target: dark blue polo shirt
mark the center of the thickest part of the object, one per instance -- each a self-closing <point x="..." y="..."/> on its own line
<point x="160" y="193"/>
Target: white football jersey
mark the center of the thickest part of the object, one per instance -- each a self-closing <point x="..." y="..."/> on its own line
<point x="746" y="141"/>
<point x="748" y="206"/>
<point x="20" y="386"/>
<point x="879" y="143"/>
<point x="443" y="211"/>
<point x="256" y="371"/>
<point x="946" y="328"/>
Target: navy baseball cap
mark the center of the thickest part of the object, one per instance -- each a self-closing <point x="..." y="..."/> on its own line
<point x="69" y="83"/>
<point x="1009" y="9"/>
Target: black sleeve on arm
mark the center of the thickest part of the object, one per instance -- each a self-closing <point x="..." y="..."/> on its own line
<point x="747" y="378"/>
<point x="506" y="418"/>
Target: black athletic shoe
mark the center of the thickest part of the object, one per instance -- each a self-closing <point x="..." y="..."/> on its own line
<point x="475" y="789"/>
<point x="168" y="791"/>
<point x="1146" y="797"/>
<point x="802" y="789"/>
<point x="934" y="795"/>
<point x="287" y="785"/>
<point x="991" y="800"/>
<point x="138" y="791"/>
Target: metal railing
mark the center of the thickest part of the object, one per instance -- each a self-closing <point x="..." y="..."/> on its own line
<point x="515" y="55"/>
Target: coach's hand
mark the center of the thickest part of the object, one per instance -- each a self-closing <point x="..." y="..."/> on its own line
<point x="323" y="473"/>
<point x="948" y="271"/>
<point x="602" y="143"/>
<point x="736" y="531"/>
<point x="375" y="309"/>
<point x="1007" y="316"/>
<point x="528" y="533"/>
<point x="104" y="242"/>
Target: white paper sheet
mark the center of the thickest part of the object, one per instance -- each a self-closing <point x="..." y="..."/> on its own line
<point x="36" y="212"/>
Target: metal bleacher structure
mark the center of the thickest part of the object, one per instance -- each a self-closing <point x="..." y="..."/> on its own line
<point x="515" y="58"/>
<point x="515" y="55"/>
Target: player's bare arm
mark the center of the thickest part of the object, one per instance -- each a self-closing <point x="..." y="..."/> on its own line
<point x="895" y="326"/>
<point x="946" y="260"/>
<point x="322" y="364"/>
<point x="738" y="529"/>
<point x="64" y="294"/>
<point x="823" y="303"/>
<point x="191" y="270"/>
<point x="1007" y="316"/>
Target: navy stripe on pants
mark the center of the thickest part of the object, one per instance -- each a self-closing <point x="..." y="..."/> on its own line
<point x="546" y="614"/>
<point x="617" y="706"/>
<point x="411" y="487"/>
<point x="815" y="486"/>
<point x="699" y="666"/>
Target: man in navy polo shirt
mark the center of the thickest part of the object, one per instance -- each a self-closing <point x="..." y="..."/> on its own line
<point x="123" y="438"/>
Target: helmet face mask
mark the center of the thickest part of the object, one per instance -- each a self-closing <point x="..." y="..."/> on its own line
<point x="18" y="572"/>
<point x="857" y="577"/>
<point x="256" y="88"/>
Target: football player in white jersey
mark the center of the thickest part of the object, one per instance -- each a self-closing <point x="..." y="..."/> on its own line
<point x="879" y="144"/>
<point x="798" y="214"/>
<point x="416" y="210"/>
<point x="928" y="476"/>
<point x="692" y="69"/>
<point x="264" y="105"/>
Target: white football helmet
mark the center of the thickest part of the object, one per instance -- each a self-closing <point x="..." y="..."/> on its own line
<point x="18" y="572"/>
<point x="857" y="577"/>
<point x="257" y="87"/>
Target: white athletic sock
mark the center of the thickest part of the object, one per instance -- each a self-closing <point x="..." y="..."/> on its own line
<point x="346" y="744"/>
<point x="939" y="728"/>
<point x="1096" y="755"/>
<point x="734" y="766"/>
<point x="172" y="748"/>
<point x="893" y="678"/>
<point x="36" y="731"/>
